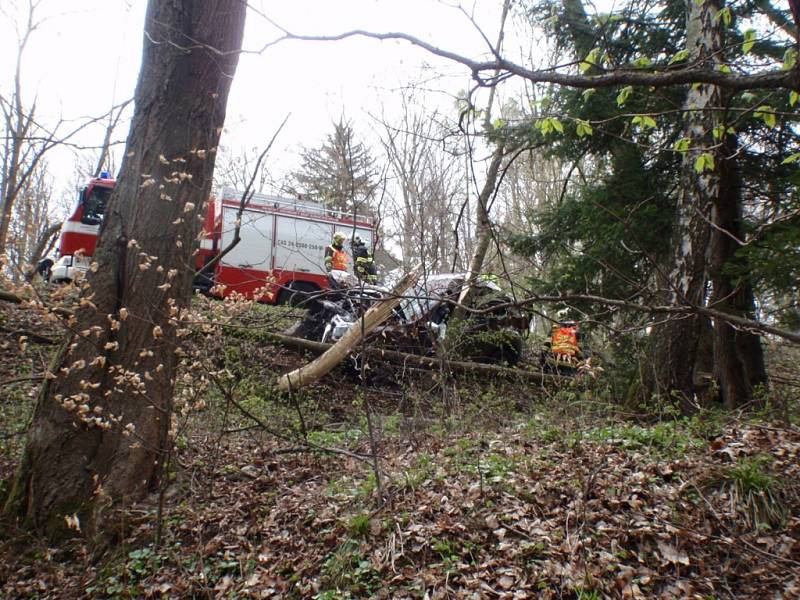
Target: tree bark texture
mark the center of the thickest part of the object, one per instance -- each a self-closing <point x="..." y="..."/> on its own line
<point x="676" y="340"/>
<point x="100" y="430"/>
<point x="738" y="355"/>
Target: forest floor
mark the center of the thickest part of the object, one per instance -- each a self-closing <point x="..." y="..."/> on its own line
<point x="482" y="490"/>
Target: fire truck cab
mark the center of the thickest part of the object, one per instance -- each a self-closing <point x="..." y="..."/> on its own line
<point x="79" y="232"/>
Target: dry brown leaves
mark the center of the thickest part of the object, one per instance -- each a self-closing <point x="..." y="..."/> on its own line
<point x="504" y="516"/>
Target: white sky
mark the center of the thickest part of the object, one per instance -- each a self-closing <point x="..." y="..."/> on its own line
<point x="86" y="56"/>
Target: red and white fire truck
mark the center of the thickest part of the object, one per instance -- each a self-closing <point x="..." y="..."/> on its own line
<point x="280" y="253"/>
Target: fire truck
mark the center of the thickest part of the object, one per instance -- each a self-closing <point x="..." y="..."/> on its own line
<point x="279" y="257"/>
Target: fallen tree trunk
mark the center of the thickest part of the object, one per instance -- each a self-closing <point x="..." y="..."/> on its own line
<point x="338" y="352"/>
<point x="424" y="362"/>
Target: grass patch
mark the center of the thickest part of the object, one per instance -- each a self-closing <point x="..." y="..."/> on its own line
<point x="755" y="492"/>
<point x="347" y="572"/>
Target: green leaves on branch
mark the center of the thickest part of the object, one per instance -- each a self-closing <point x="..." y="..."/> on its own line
<point x="789" y="59"/>
<point x="593" y="59"/>
<point x="682" y="145"/>
<point x="583" y="128"/>
<point x="622" y="97"/>
<point x="793" y="97"/>
<point x="749" y="40"/>
<point x="679" y="56"/>
<point x="549" y="125"/>
<point x="766" y="114"/>
<point x="720" y="130"/>
<point x="792" y="158"/>
<point x="726" y="16"/>
<point x="644" y="121"/>
<point x="704" y="162"/>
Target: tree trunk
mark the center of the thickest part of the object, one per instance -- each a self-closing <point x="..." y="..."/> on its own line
<point x="676" y="340"/>
<point x="738" y="355"/>
<point x="100" y="430"/>
<point x="483" y="225"/>
<point x="483" y="231"/>
<point x="427" y="362"/>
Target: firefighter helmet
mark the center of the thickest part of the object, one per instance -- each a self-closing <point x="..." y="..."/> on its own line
<point x="339" y="237"/>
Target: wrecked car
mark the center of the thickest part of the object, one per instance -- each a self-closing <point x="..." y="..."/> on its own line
<point x="421" y="323"/>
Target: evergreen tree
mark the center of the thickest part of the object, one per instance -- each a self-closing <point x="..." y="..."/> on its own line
<point x="341" y="173"/>
<point x="643" y="156"/>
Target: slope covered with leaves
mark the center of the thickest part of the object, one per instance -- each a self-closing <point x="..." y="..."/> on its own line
<point x="486" y="490"/>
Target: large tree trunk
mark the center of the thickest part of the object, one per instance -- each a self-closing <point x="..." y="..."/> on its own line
<point x="738" y="355"/>
<point x="675" y="341"/>
<point x="100" y="431"/>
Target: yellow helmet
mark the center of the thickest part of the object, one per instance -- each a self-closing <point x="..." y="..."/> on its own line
<point x="339" y="237"/>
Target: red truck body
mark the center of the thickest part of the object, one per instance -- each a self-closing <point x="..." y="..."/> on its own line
<point x="281" y="250"/>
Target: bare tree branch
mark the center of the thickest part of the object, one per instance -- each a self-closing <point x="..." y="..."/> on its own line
<point x="488" y="72"/>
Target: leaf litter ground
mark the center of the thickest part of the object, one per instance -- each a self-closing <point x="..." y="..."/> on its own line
<point x="509" y="493"/>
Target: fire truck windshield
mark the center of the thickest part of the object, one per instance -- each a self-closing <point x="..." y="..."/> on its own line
<point x="95" y="200"/>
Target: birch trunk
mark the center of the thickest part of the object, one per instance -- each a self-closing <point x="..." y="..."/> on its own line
<point x="676" y="341"/>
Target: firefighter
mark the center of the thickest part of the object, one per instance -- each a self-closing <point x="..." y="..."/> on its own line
<point x="564" y="341"/>
<point x="44" y="267"/>
<point x="335" y="256"/>
<point x="364" y="262"/>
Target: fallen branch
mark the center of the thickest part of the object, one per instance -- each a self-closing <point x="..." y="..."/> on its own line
<point x="424" y="362"/>
<point x="30" y="335"/>
<point x="14" y="299"/>
<point x="9" y="297"/>
<point x="38" y="377"/>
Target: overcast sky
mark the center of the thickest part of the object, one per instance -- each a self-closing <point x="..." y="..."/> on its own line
<point x="86" y="56"/>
